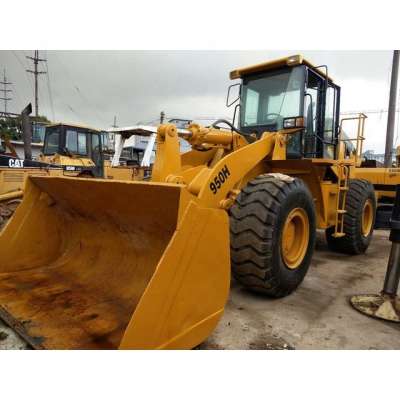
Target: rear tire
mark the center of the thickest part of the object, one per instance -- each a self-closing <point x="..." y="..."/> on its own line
<point x="358" y="231"/>
<point x="261" y="260"/>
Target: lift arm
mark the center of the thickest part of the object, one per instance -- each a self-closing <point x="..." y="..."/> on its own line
<point x="213" y="185"/>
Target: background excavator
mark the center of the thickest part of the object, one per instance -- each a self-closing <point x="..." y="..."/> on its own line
<point x="144" y="265"/>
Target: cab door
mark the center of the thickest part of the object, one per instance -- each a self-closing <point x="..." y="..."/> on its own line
<point x="96" y="154"/>
<point x="313" y="111"/>
<point x="322" y="99"/>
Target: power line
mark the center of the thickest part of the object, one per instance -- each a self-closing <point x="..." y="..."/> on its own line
<point x="78" y="90"/>
<point x="99" y="118"/>
<point x="19" y="101"/>
<point x="149" y="122"/>
<point x="36" y="73"/>
<point x="201" y="118"/>
<point x="376" y="111"/>
<point x="5" y="91"/>
<point x="71" y="109"/>
<point x="24" y="68"/>
<point x="49" y="89"/>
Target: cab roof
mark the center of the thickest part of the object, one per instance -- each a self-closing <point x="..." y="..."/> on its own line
<point x="74" y="126"/>
<point x="290" y="61"/>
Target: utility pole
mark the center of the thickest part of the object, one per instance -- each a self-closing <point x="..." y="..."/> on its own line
<point x="114" y="125"/>
<point x="35" y="72"/>
<point x="5" y="91"/>
<point x="392" y="110"/>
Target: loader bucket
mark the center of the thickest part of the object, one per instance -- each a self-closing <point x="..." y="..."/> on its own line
<point x="98" y="264"/>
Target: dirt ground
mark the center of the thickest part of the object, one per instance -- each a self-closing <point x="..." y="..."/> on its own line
<point x="317" y="316"/>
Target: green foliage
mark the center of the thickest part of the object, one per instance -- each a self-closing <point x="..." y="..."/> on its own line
<point x="41" y="118"/>
<point x="11" y="127"/>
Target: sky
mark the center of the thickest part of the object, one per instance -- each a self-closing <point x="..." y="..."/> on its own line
<point x="91" y="87"/>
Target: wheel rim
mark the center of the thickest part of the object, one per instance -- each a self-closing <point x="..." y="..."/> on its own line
<point x="295" y="238"/>
<point x="367" y="218"/>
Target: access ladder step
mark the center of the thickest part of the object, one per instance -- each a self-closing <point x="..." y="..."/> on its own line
<point x="344" y="188"/>
<point x="338" y="234"/>
<point x="341" y="211"/>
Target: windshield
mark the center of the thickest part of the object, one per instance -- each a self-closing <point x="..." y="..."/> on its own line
<point x="268" y="99"/>
<point x="52" y="141"/>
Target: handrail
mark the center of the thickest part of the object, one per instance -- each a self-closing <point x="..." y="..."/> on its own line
<point x="359" y="139"/>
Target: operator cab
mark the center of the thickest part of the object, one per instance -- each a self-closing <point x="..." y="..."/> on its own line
<point x="285" y="93"/>
<point x="75" y="142"/>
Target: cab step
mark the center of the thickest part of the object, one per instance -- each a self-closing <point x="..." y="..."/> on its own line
<point x="338" y="234"/>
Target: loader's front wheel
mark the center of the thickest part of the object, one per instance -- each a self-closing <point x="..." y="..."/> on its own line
<point x="358" y="221"/>
<point x="272" y="226"/>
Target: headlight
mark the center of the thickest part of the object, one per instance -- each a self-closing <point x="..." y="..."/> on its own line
<point x="289" y="123"/>
<point x="294" y="122"/>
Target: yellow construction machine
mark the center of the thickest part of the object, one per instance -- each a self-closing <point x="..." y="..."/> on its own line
<point x="94" y="263"/>
<point x="79" y="149"/>
<point x="69" y="150"/>
<point x="384" y="180"/>
<point x="13" y="174"/>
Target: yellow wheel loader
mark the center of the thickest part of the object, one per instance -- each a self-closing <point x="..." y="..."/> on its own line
<point x="146" y="265"/>
<point x="384" y="180"/>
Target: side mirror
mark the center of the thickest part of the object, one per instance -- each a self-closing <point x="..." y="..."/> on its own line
<point x="233" y="94"/>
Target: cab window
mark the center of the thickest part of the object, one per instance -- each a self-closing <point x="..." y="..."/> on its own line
<point x="251" y="110"/>
<point x="52" y="141"/>
<point x="76" y="142"/>
<point x="330" y="113"/>
<point x="82" y="144"/>
<point x="271" y="97"/>
<point x="72" y="141"/>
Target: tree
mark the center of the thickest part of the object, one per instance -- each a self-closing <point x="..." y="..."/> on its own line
<point x="11" y="127"/>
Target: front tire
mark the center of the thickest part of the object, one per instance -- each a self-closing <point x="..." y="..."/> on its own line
<point x="272" y="226"/>
<point x="359" y="219"/>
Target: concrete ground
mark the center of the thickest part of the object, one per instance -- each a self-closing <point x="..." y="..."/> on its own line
<point x="317" y="316"/>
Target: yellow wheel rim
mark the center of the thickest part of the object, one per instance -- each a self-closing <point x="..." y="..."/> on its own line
<point x="367" y="218"/>
<point x="295" y="238"/>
